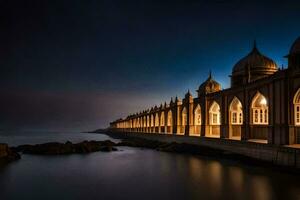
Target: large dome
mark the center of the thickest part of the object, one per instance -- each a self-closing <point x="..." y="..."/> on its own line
<point x="295" y="49"/>
<point x="294" y="55"/>
<point x="252" y="67"/>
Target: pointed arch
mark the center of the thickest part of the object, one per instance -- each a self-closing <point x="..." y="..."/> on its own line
<point x="151" y="123"/>
<point x="235" y="119"/>
<point x="138" y="124"/>
<point x="162" y="119"/>
<point x="184" y="117"/>
<point x="184" y="122"/>
<point x="197" y="115"/>
<point x="148" y="121"/>
<point x="296" y="102"/>
<point x="170" y="118"/>
<point x="236" y="111"/>
<point x="260" y="109"/>
<point x="170" y="122"/>
<point x="214" y="114"/>
<point x="214" y="120"/>
<point x="197" y="121"/>
<point x="152" y="120"/>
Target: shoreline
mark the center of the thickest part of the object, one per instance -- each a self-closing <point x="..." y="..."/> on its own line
<point x="214" y="153"/>
<point x="67" y="148"/>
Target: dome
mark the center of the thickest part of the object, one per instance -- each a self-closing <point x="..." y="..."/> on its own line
<point x="295" y="49"/>
<point x="294" y="55"/>
<point x="209" y="86"/>
<point x="252" y="67"/>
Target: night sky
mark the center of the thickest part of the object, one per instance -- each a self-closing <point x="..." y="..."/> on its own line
<point x="77" y="65"/>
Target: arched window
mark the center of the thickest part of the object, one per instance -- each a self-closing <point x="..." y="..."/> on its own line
<point x="297" y="108"/>
<point x="162" y="119"/>
<point x="184" y="117"/>
<point x="148" y="121"/>
<point x="214" y="114"/>
<point x="236" y="111"/>
<point x="170" y="119"/>
<point x="259" y="108"/>
<point x="152" y="120"/>
<point x="197" y="115"/>
<point x="156" y="120"/>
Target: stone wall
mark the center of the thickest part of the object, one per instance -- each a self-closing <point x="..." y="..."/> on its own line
<point x="279" y="155"/>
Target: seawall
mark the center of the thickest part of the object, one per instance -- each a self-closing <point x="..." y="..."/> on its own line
<point x="278" y="155"/>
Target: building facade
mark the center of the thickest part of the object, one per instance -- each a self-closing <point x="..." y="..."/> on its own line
<point x="262" y="105"/>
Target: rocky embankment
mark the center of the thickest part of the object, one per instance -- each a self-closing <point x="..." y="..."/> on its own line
<point x="7" y="154"/>
<point x="56" y="148"/>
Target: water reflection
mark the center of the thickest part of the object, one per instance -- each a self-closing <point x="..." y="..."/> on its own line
<point x="134" y="173"/>
<point x="260" y="188"/>
<point x="236" y="181"/>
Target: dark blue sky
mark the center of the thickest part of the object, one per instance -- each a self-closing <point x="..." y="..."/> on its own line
<point x="77" y="65"/>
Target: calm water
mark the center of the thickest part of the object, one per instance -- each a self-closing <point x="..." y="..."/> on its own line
<point x="135" y="174"/>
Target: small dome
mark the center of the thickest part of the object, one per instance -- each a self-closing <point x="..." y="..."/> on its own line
<point x="209" y="86"/>
<point x="252" y="67"/>
<point x="295" y="49"/>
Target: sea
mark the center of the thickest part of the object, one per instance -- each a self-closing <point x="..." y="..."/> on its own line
<point x="135" y="174"/>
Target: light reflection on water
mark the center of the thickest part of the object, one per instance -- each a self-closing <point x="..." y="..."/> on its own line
<point x="134" y="173"/>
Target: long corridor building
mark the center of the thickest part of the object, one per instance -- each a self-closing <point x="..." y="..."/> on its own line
<point x="262" y="105"/>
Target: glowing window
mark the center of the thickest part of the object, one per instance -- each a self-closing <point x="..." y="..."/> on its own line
<point x="259" y="109"/>
<point x="214" y="114"/>
<point x="297" y="108"/>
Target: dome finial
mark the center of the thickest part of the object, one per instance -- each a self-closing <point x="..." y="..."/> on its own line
<point x="210" y="74"/>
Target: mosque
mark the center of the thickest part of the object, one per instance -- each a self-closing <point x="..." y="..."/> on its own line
<point x="262" y="105"/>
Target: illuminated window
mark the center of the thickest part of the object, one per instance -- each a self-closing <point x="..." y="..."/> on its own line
<point x="170" y="119"/>
<point x="215" y="118"/>
<point x="260" y="110"/>
<point x="236" y="111"/>
<point x="156" y="120"/>
<point x="297" y="114"/>
<point x="152" y="121"/>
<point x="184" y="117"/>
<point x="148" y="121"/>
<point x="234" y="117"/>
<point x="162" y="119"/>
<point x="214" y="113"/>
<point x="197" y="116"/>
<point x="297" y="108"/>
